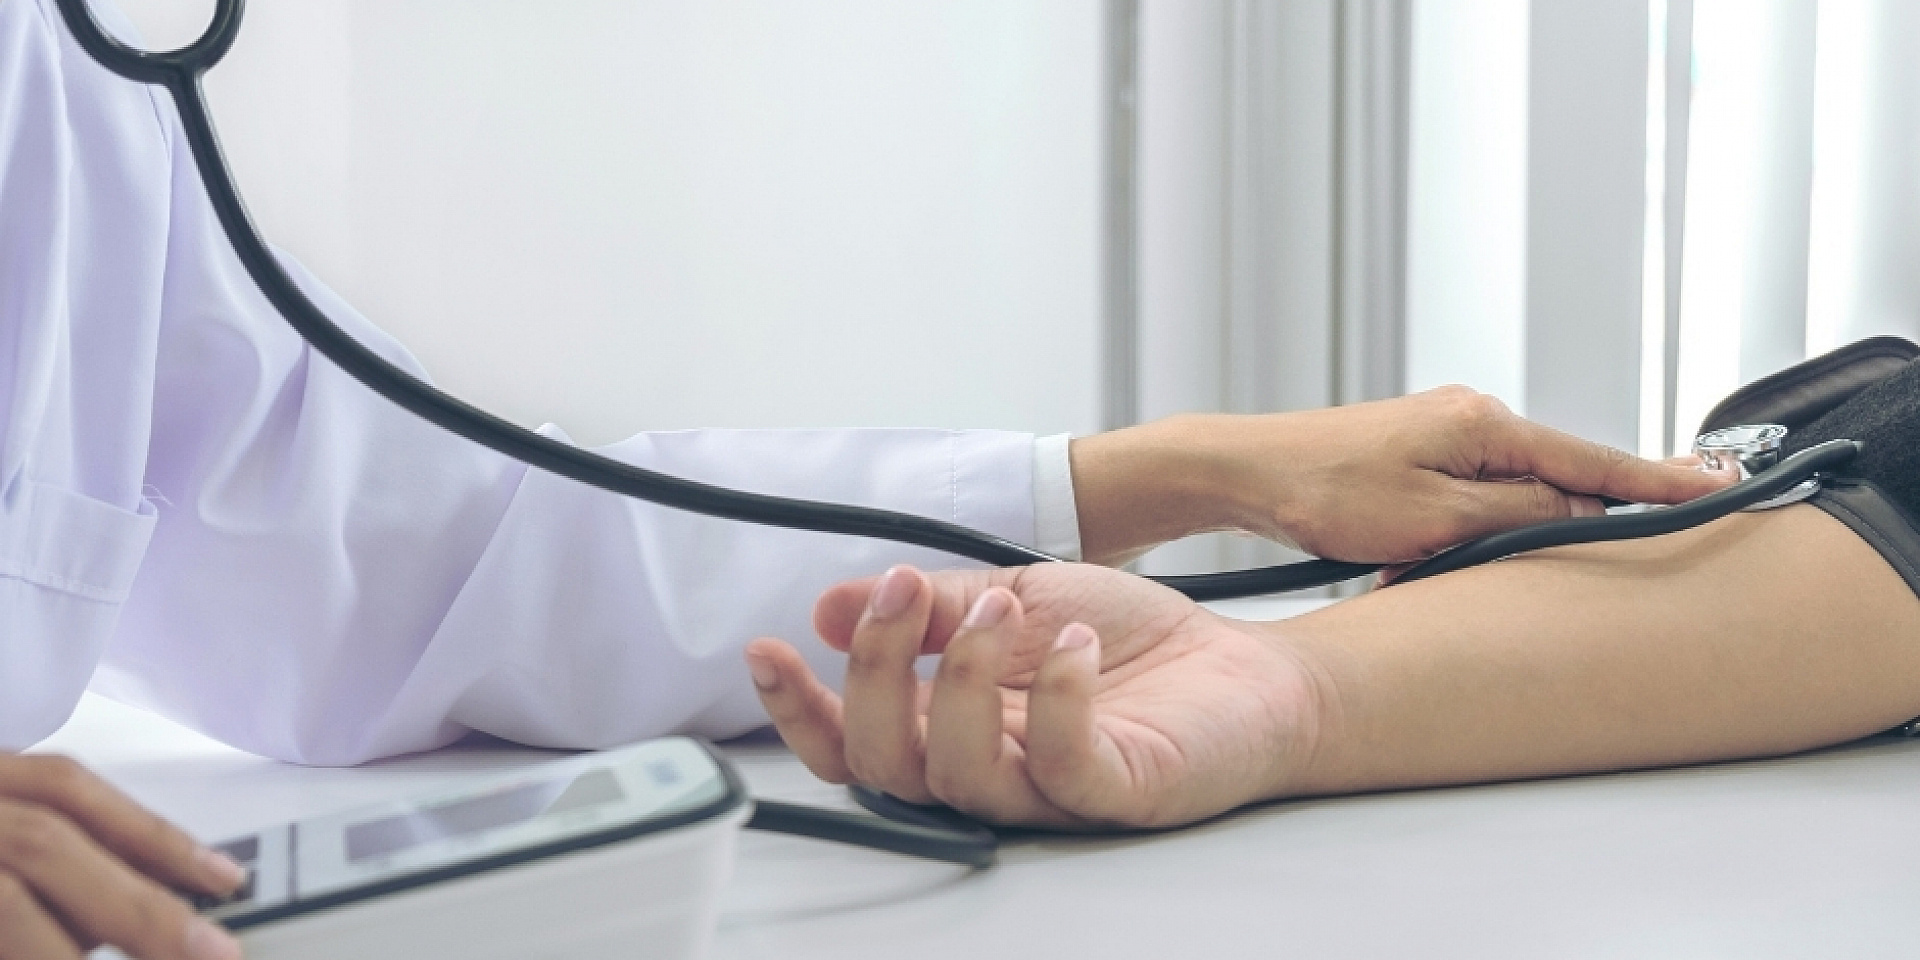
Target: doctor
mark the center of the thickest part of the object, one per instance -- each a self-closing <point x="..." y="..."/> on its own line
<point x="199" y="516"/>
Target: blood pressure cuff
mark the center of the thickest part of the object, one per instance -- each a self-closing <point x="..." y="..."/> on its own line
<point x="1867" y="391"/>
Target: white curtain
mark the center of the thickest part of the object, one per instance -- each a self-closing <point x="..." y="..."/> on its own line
<point x="1271" y="214"/>
<point x="1712" y="190"/>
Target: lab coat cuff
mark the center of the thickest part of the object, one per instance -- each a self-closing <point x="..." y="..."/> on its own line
<point x="1056" y="518"/>
<point x="61" y="540"/>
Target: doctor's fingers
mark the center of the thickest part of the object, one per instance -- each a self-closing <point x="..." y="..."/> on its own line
<point x="973" y="764"/>
<point x="130" y="831"/>
<point x="1481" y="507"/>
<point x="808" y="715"/>
<point x="98" y="898"/>
<point x="1515" y="446"/>
<point x="885" y="745"/>
<point x="839" y="610"/>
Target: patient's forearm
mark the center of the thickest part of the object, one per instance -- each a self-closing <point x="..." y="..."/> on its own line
<point x="1760" y="634"/>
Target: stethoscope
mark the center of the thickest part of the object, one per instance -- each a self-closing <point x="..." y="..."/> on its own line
<point x="933" y="833"/>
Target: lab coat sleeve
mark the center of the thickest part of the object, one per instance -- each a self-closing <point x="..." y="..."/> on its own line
<point x="244" y="539"/>
<point x="78" y="297"/>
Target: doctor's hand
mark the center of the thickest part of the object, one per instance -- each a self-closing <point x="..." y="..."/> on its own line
<point x="1068" y="696"/>
<point x="1384" y="482"/>
<point x="82" y="866"/>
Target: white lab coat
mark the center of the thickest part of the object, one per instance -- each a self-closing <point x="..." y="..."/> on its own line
<point x="201" y="516"/>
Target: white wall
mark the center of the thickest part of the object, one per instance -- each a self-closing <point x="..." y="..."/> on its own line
<point x="628" y="214"/>
<point x="1467" y="202"/>
<point x="1236" y="219"/>
<point x="1744" y="296"/>
<point x="1866" y="174"/>
<point x="1527" y="206"/>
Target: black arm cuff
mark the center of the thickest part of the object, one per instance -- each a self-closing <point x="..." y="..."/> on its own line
<point x="1886" y="526"/>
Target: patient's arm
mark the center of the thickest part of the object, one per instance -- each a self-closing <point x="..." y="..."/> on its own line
<point x="1757" y="635"/>
<point x="1761" y="634"/>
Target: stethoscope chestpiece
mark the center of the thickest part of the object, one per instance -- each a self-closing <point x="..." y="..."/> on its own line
<point x="1753" y="448"/>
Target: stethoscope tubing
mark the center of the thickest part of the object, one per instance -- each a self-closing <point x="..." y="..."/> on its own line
<point x="896" y="830"/>
<point x="1654" y="522"/>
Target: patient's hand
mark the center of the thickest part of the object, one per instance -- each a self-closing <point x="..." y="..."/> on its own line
<point x="1072" y="696"/>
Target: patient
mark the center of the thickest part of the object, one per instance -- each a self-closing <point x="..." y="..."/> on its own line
<point x="1079" y="697"/>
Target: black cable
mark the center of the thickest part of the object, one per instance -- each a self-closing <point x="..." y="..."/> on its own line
<point x="935" y="817"/>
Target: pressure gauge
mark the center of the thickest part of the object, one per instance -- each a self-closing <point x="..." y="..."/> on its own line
<point x="616" y="854"/>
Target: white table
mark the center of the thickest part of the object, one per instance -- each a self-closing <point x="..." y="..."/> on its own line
<point x="1815" y="855"/>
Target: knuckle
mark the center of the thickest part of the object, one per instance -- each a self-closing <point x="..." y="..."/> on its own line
<point x="1481" y="410"/>
<point x="33" y="834"/>
<point x="62" y="776"/>
<point x="868" y="658"/>
<point x="1465" y="407"/>
<point x="1050" y="684"/>
<point x="964" y="668"/>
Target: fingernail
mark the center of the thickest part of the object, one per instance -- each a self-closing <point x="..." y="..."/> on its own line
<point x="764" y="675"/>
<point x="1076" y="636"/>
<point x="894" y="594"/>
<point x="1588" y="507"/>
<point x="221" y="868"/>
<point x="208" y="942"/>
<point x="988" y="611"/>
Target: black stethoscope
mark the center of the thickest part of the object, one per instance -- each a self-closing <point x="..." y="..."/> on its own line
<point x="908" y="829"/>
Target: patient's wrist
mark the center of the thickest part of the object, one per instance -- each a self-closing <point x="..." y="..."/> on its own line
<point x="1307" y="762"/>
